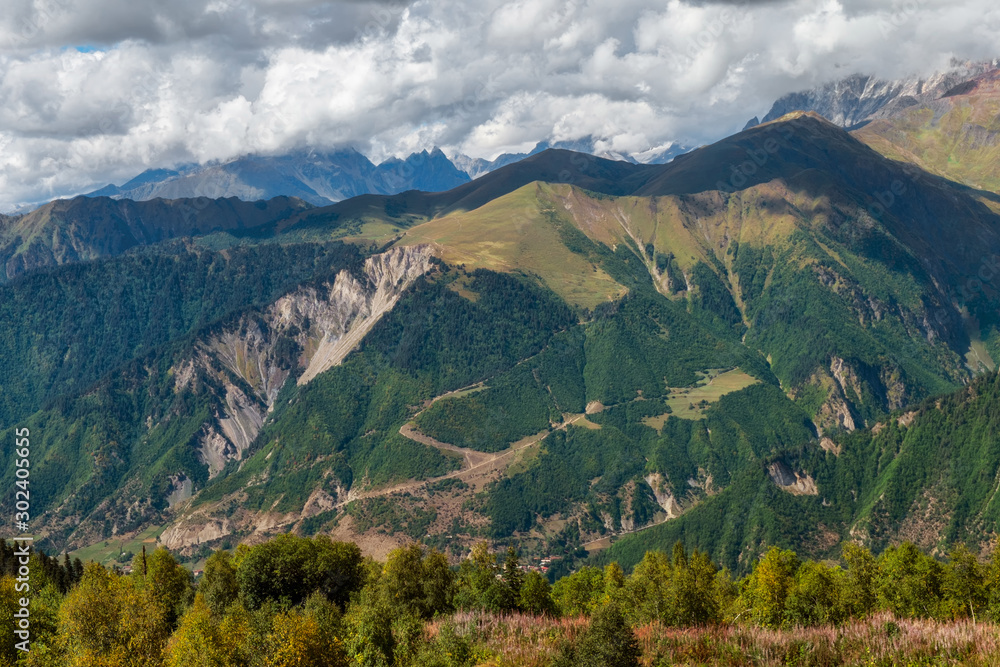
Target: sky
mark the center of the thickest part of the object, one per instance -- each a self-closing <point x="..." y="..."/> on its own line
<point x="95" y="91"/>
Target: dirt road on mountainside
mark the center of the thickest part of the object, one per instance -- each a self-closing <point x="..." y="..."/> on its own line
<point x="480" y="466"/>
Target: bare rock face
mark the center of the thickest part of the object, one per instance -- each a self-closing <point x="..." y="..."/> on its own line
<point x="182" y="489"/>
<point x="353" y="308"/>
<point x="845" y="376"/>
<point x="847" y="385"/>
<point x="792" y="481"/>
<point x="251" y="356"/>
<point x="239" y="413"/>
<point x="836" y="412"/>
<point x="842" y="414"/>
<point x="664" y="496"/>
<point x="311" y="329"/>
<point x="318" y="501"/>
<point x="896" y="393"/>
<point x="215" y="451"/>
<point x="178" y="535"/>
<point x="830" y="446"/>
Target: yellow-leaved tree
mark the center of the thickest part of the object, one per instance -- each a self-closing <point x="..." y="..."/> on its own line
<point x="765" y="591"/>
<point x="108" y="621"/>
<point x="296" y="641"/>
<point x="203" y="640"/>
<point x="167" y="581"/>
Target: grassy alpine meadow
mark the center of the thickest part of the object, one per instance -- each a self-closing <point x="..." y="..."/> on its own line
<point x="691" y="402"/>
<point x="520" y="640"/>
<point x="880" y="640"/>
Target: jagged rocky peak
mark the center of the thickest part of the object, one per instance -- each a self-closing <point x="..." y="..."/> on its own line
<point x="320" y="177"/>
<point x="862" y="97"/>
<point x="398" y="265"/>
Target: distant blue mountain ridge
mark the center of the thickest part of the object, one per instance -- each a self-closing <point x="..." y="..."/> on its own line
<point x="320" y="178"/>
<point x="325" y="177"/>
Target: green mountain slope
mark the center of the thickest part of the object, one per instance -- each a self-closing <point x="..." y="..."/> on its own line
<point x="383" y="217"/>
<point x="665" y="351"/>
<point x="85" y="228"/>
<point x="522" y="363"/>
<point x="927" y="475"/>
<point x="859" y="309"/>
<point x="69" y="327"/>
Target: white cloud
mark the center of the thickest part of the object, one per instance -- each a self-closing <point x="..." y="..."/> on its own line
<point x="93" y="91"/>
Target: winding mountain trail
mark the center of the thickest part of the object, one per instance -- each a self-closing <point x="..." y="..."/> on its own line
<point x="473" y="457"/>
<point x="480" y="465"/>
<point x="454" y="392"/>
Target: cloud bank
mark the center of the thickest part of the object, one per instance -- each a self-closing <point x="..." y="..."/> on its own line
<point x="94" y="91"/>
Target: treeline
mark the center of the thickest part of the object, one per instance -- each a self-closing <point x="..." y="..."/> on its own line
<point x="301" y="601"/>
<point x="784" y="591"/>
<point x="61" y="574"/>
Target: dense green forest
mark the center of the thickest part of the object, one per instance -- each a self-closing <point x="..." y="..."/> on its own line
<point x="803" y="328"/>
<point x="314" y="602"/>
<point x="930" y="467"/>
<point x="73" y="325"/>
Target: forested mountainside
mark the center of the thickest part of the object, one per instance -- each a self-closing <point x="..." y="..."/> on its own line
<point x="562" y="352"/>
<point x="78" y="324"/>
<point x="81" y="229"/>
<point x="926" y="475"/>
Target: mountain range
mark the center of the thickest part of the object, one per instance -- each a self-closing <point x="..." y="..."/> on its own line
<point x="325" y="177"/>
<point x="329" y="177"/>
<point x="787" y="337"/>
<point x="314" y="177"/>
